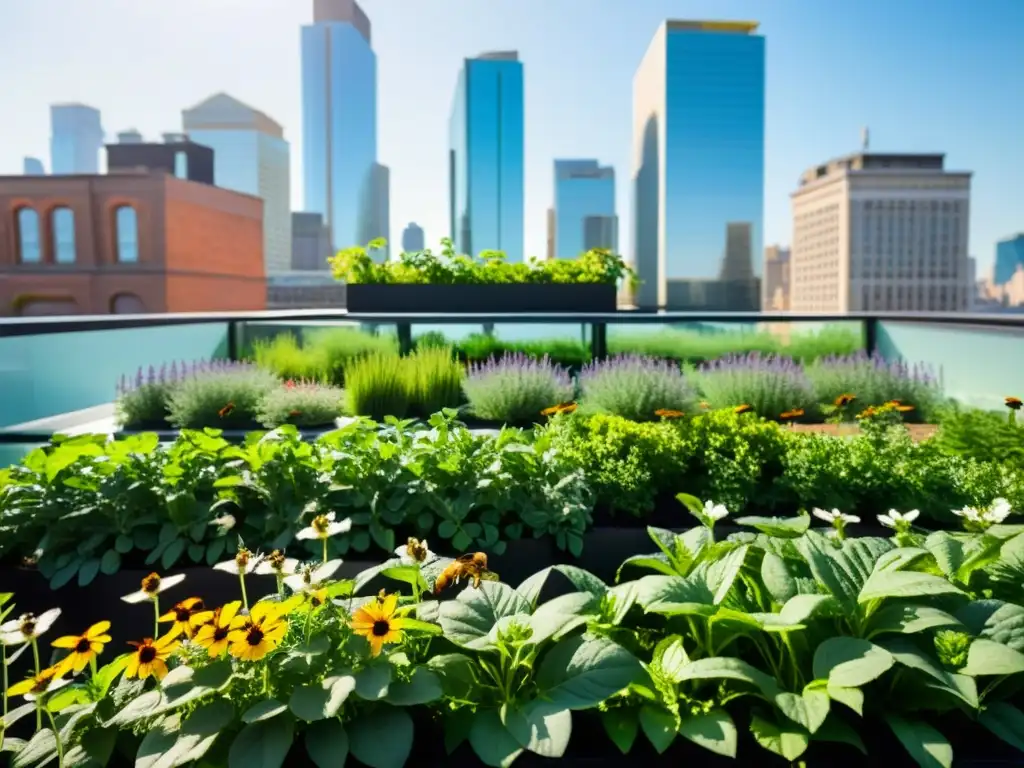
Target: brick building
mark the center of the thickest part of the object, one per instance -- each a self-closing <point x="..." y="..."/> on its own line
<point x="129" y="242"/>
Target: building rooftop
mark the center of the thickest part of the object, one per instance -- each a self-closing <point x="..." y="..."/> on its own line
<point x="874" y="162"/>
<point x="221" y="111"/>
<point x="327" y="11"/>
<point x="498" y="56"/>
<point x="734" y="27"/>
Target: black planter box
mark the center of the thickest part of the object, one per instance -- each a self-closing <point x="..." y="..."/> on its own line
<point x="474" y="299"/>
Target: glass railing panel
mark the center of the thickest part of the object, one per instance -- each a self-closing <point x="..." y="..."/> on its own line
<point x="567" y="343"/>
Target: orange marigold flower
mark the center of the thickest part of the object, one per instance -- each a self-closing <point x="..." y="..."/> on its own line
<point x="743" y="408"/>
<point x="1014" y="403"/>
<point x="796" y="413"/>
<point x="668" y="413"/>
<point x="844" y="400"/>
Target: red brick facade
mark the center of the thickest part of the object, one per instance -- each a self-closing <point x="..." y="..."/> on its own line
<point x="199" y="248"/>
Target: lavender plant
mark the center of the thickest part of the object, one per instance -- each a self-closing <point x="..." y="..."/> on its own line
<point x="875" y="381"/>
<point x="515" y="387"/>
<point x="302" y="403"/>
<point x="141" y="400"/>
<point x="770" y="384"/>
<point x="219" y="393"/>
<point x="634" y="387"/>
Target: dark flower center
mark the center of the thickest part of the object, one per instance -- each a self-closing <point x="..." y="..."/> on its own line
<point x="147" y="653"/>
<point x="151" y="584"/>
<point x="182" y="614"/>
<point x="220" y="633"/>
<point x="28" y="628"/>
<point x="381" y="628"/>
<point x="83" y="645"/>
<point x="254" y="637"/>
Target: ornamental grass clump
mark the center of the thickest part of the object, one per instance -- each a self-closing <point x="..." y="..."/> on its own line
<point x="433" y="380"/>
<point x="772" y="386"/>
<point x="219" y="394"/>
<point x="515" y="387"/>
<point x="376" y="386"/>
<point x="302" y="403"/>
<point x="634" y="387"/>
<point x="876" y="381"/>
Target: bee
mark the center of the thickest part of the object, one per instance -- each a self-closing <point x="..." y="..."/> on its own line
<point x="226" y="410"/>
<point x="472" y="566"/>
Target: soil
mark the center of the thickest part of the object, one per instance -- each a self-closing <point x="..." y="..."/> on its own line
<point x="918" y="432"/>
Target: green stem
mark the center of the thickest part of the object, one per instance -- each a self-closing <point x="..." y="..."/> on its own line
<point x="35" y="658"/>
<point x="325" y="549"/>
<point x="56" y="734"/>
<point x="266" y="678"/>
<point x="280" y="585"/>
<point x="245" y="597"/>
<point x="3" y="649"/>
<point x="156" y="617"/>
<point x="309" y="616"/>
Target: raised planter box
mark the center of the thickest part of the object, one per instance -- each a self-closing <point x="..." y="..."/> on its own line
<point x="474" y="299"/>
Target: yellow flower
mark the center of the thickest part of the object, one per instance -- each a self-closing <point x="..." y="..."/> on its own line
<point x="743" y="408"/>
<point x="844" y="400"/>
<point x="254" y="636"/>
<point x="188" y="616"/>
<point x="150" y="657"/>
<point x="47" y="680"/>
<point x="84" y="648"/>
<point x="213" y="634"/>
<point x="376" y="621"/>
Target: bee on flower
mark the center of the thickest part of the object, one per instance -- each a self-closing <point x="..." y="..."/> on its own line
<point x="152" y="586"/>
<point x="83" y="648"/>
<point x="27" y="627"/>
<point x="844" y="400"/>
<point x="324" y="527"/>
<point x="242" y="564"/>
<point x="310" y="577"/>
<point x="415" y="552"/>
<point x="838" y="520"/>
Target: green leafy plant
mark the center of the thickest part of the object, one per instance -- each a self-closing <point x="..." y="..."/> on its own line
<point x="225" y="398"/>
<point x="634" y="387"/>
<point x="516" y="388"/>
<point x="302" y="403"/>
<point x="321" y="355"/>
<point x="875" y="381"/>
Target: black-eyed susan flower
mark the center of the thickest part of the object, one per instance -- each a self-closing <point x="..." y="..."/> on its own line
<point x="27" y="627"/>
<point x="844" y="400"/>
<point x="47" y="681"/>
<point x="213" y="634"/>
<point x="150" y="657"/>
<point x="743" y="408"/>
<point x="84" y="648"/>
<point x="377" y="622"/>
<point x="254" y="636"/>
<point x="152" y="586"/>
<point x="669" y="413"/>
<point x="188" y="616"/>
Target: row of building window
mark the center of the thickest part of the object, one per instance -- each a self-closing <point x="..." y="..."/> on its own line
<point x="62" y="227"/>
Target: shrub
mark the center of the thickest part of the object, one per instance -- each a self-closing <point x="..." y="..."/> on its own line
<point x="433" y="379"/>
<point x="333" y="350"/>
<point x="479" y="347"/>
<point x="219" y="395"/>
<point x="634" y="387"/>
<point x="515" y="387"/>
<point x="769" y="384"/>
<point x="142" y="401"/>
<point x="303" y="403"/>
<point x="981" y="435"/>
<point x="874" y="381"/>
<point x="376" y="386"/>
<point x="285" y="356"/>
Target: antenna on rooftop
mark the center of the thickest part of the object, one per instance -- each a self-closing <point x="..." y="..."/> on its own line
<point x="865" y="139"/>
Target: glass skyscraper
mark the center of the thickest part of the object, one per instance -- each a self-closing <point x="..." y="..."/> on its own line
<point x="339" y="122"/>
<point x="485" y="162"/>
<point x="76" y="138"/>
<point x="250" y="155"/>
<point x="584" y="214"/>
<point x="698" y="133"/>
<point x="1009" y="256"/>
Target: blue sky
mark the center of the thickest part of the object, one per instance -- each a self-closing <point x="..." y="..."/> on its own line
<point x="925" y="75"/>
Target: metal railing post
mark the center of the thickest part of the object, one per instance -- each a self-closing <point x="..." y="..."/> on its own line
<point x="598" y="341"/>
<point x="404" y="331"/>
<point x="870" y="334"/>
<point x="233" y="340"/>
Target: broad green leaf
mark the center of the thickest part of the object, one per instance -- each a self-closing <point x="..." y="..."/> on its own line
<point x="672" y="595"/>
<point x="658" y="726"/>
<point x="422" y="688"/>
<point x="785" y="739"/>
<point x="338" y="687"/>
<point x="98" y="745"/>
<point x="583" y="580"/>
<point x="995" y="620"/>
<point x="262" y="745"/>
<point x="543" y="728"/>
<point x="622" y="726"/>
<point x="925" y="744"/>
<point x="795" y="613"/>
<point x="728" y="668"/>
<point x="900" y="558"/>
<point x="531" y="587"/>
<point x="808" y="710"/>
<point x="777" y="578"/>
<point x="1005" y="721"/>
<point x="407" y="574"/>
<point x="263" y="710"/>
<point x="327" y="744"/>
<point x="908" y="619"/>
<point x="723" y="572"/>
<point x="467" y="620"/>
<point x="851" y="697"/>
<point x="843" y="571"/>
<point x="580" y="673"/>
<point x="137" y="709"/>
<point x="714" y="730"/>
<point x="159" y="739"/>
<point x="623" y="597"/>
<point x="41" y="749"/>
<point x="779" y="527"/>
<point x="197" y="734"/>
<point x="838" y="731"/>
<point x="309" y="702"/>
<point x="562" y="614"/>
<point x="850" y="662"/>
<point x="14" y="715"/>
<point x="656" y="561"/>
<point x="671" y="658"/>
<point x="382" y="738"/>
<point x="692" y="503"/>
<point x="907" y="653"/>
<point x="457" y="673"/>
<point x="491" y="741"/>
<point x="372" y="682"/>
<point x="904" y="584"/>
<point x="987" y="657"/>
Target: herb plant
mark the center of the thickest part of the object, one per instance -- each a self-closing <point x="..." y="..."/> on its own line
<point x="634" y="387"/>
<point x="515" y="388"/>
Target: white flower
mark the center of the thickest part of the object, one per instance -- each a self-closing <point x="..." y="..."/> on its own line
<point x="714" y="512"/>
<point x="415" y="552"/>
<point x="998" y="511"/>
<point x="897" y="520"/>
<point x="310" y="577"/>
<point x="324" y="526"/>
<point x="835" y="517"/>
<point x="970" y="514"/>
<point x="276" y="564"/>
<point x="242" y="564"/>
<point x="152" y="586"/>
<point x="27" y="627"/>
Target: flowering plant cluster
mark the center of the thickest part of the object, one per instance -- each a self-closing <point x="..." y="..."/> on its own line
<point x="635" y="387"/>
<point x="515" y="387"/>
<point x="815" y="645"/>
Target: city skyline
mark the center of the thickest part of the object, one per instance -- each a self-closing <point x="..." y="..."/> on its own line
<point x="828" y="73"/>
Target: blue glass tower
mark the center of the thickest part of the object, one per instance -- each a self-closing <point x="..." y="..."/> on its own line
<point x="339" y="121"/>
<point x="698" y="132"/>
<point x="1009" y="256"/>
<point x="76" y="138"/>
<point x="485" y="160"/>
<point x="584" y="208"/>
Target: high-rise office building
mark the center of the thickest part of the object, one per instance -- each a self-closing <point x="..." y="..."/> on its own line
<point x="76" y="138"/>
<point x="583" y="190"/>
<point x="250" y="155"/>
<point x="775" y="295"/>
<point x="485" y="160"/>
<point x="881" y="232"/>
<point x="413" y="239"/>
<point x="131" y="136"/>
<point x="32" y="166"/>
<point x="339" y="121"/>
<point x="311" y="243"/>
<point x="380" y="210"/>
<point x="1009" y="258"/>
<point x="177" y="155"/>
<point x="698" y="162"/>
